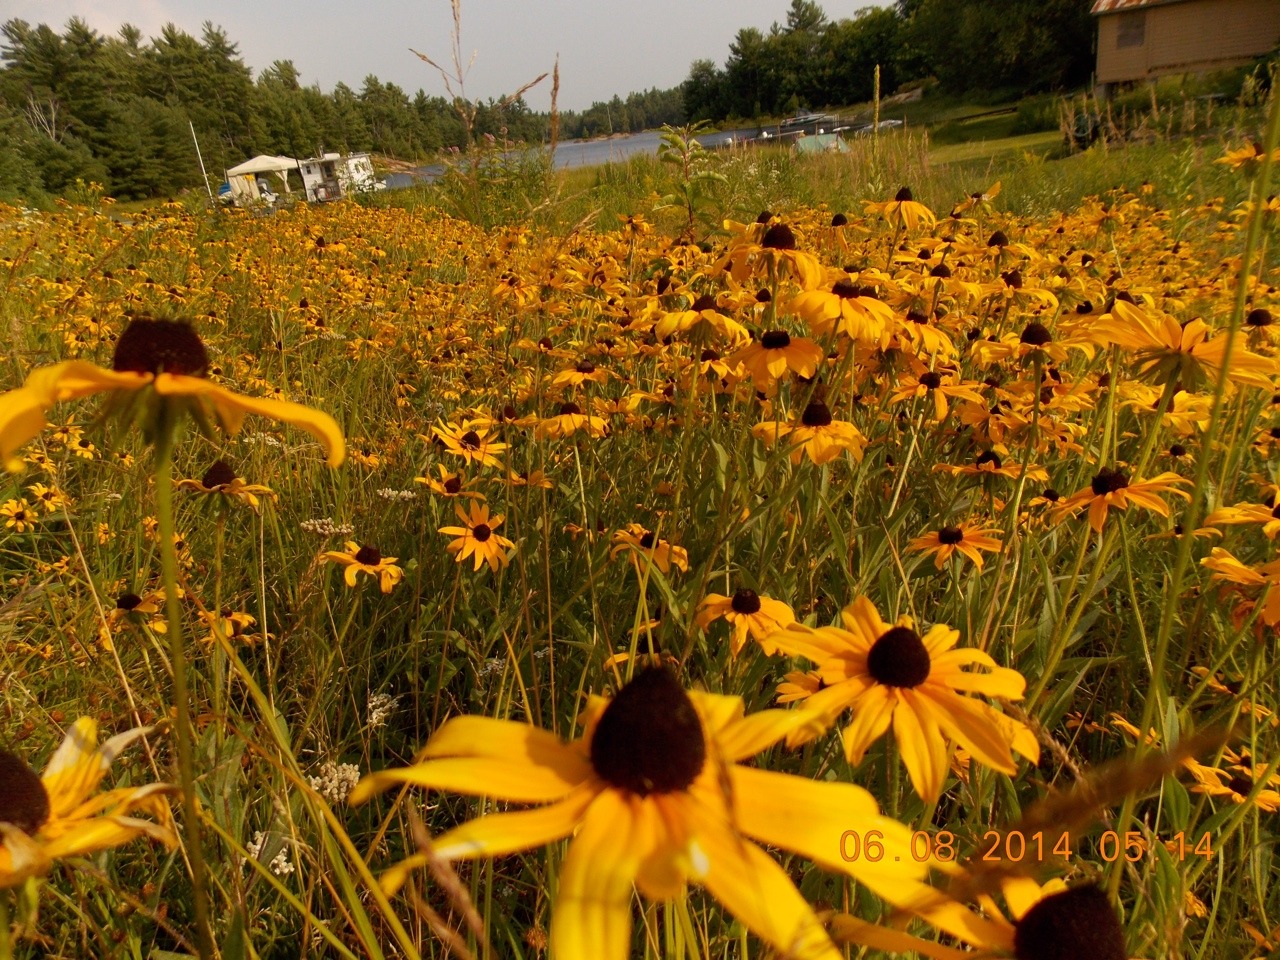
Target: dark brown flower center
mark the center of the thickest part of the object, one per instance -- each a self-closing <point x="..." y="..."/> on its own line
<point x="570" y="409"/>
<point x="585" y="366"/>
<point x="469" y="440"/>
<point x="931" y="380"/>
<point x="839" y="220"/>
<point x="370" y="556"/>
<point x="1108" y="480"/>
<point x="1260" y="317"/>
<point x="704" y="302"/>
<point x="481" y="532"/>
<point x="1052" y="495"/>
<point x="218" y="475"/>
<point x="127" y="601"/>
<point x="776" y="340"/>
<point x="708" y="356"/>
<point x="24" y="802"/>
<point x="649" y="738"/>
<point x="845" y="289"/>
<point x="779" y="237"/>
<point x="1036" y="334"/>
<point x="453" y="485"/>
<point x="152" y="346"/>
<point x="903" y="195"/>
<point x="899" y="659"/>
<point x="998" y="239"/>
<point x="1240" y="784"/>
<point x="950" y="536"/>
<point x="647" y="540"/>
<point x="1012" y="279"/>
<point x="816" y="414"/>
<point x="1075" y="923"/>
<point x="745" y="601"/>
<point x="990" y="457"/>
<point x="1177" y="450"/>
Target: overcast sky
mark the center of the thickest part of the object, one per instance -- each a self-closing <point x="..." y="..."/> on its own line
<point x="605" y="46"/>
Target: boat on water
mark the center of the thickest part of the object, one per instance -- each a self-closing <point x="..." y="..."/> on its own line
<point x="808" y="123"/>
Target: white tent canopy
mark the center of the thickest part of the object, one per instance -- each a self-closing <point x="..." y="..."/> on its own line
<point x="264" y="164"/>
<point x="243" y="178"/>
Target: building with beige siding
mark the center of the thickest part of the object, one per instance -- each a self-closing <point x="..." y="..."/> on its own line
<point x="1141" y="39"/>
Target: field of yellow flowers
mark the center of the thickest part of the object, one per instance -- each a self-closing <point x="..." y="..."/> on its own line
<point x="376" y="585"/>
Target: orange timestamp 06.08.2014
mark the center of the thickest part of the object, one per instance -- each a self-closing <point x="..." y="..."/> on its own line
<point x="1015" y="846"/>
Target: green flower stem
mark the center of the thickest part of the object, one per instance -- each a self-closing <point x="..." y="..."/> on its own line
<point x="181" y="695"/>
<point x="6" y="942"/>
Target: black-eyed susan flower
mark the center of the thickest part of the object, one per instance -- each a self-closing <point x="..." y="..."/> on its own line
<point x="221" y="479"/>
<point x="968" y="539"/>
<point x="1267" y="516"/>
<point x="768" y="249"/>
<point x="936" y="387"/>
<point x="845" y="308"/>
<point x="817" y="435"/>
<point x="19" y="515"/>
<point x="1049" y="922"/>
<point x="49" y="499"/>
<point x="774" y="354"/>
<point x="367" y="560"/>
<point x="748" y="614"/>
<point x="582" y="372"/>
<point x="477" y="537"/>
<point x="655" y="796"/>
<point x="1111" y="487"/>
<point x="1165" y="349"/>
<point x="890" y="674"/>
<point x="449" y="484"/>
<point x="568" y="420"/>
<point x="637" y="543"/>
<point x="166" y="356"/>
<point x="471" y="441"/>
<point x="1236" y="783"/>
<point x="991" y="463"/>
<point x="56" y="815"/>
<point x="703" y="318"/>
<point x="903" y="212"/>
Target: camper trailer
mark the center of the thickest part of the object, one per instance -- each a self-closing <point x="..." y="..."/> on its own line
<point x="333" y="176"/>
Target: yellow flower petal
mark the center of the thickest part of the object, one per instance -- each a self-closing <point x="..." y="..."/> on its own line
<point x="499" y="777"/>
<point x="871" y="717"/>
<point x="809" y="817"/>
<point x="498" y="834"/>
<point x="232" y="407"/>
<point x="757" y="891"/>
<point x="923" y="749"/>
<point x="592" y="914"/>
<point x="75" y="768"/>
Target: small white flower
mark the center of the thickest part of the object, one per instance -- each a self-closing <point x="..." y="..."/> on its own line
<point x="281" y="866"/>
<point x="335" y="780"/>
<point x="259" y="841"/>
<point x="380" y="706"/>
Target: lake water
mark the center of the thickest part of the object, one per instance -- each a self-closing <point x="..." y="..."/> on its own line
<point x="591" y="153"/>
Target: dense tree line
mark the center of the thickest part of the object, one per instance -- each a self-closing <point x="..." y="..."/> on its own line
<point x="1021" y="46"/>
<point x="119" y="111"/>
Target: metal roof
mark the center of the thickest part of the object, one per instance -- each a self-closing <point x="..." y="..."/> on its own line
<point x="1118" y="6"/>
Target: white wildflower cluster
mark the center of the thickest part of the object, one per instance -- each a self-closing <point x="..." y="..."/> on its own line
<point x="387" y="493"/>
<point x="281" y="866"/>
<point x="492" y="667"/>
<point x="333" y="335"/>
<point x="254" y="849"/>
<point x="380" y="706"/>
<point x="335" y="780"/>
<point x="266" y="438"/>
<point x="325" y="527"/>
